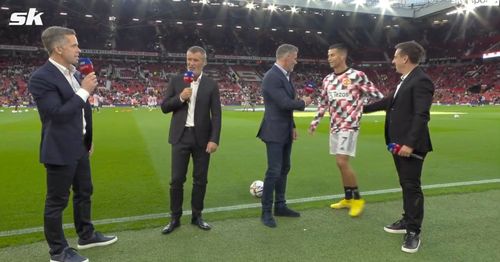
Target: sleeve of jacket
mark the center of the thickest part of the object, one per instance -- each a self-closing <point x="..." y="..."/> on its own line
<point x="422" y="101"/>
<point x="273" y="88"/>
<point x="88" y="126"/>
<point x="172" y="100"/>
<point x="216" y="115"/>
<point x="382" y="104"/>
<point x="50" y="103"/>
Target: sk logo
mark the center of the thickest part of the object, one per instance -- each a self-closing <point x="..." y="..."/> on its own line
<point x="26" y="18"/>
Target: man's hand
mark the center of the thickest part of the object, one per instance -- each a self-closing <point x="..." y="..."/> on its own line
<point x="211" y="147"/>
<point x="307" y="100"/>
<point x="311" y="130"/>
<point x="295" y="135"/>
<point x="89" y="83"/>
<point x="186" y="93"/>
<point x="405" y="151"/>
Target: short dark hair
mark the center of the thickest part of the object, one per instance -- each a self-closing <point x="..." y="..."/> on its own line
<point x="343" y="48"/>
<point x="55" y="35"/>
<point x="413" y="50"/>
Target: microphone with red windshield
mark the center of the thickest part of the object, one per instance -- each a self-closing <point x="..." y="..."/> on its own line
<point x="85" y="66"/>
<point x="188" y="77"/>
<point x="309" y="87"/>
<point x="394" y="149"/>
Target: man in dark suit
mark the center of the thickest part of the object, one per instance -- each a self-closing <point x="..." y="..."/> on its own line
<point x="66" y="143"/>
<point x="194" y="132"/>
<point x="278" y="131"/>
<point x="407" y="114"/>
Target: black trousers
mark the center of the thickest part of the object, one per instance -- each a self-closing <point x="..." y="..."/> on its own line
<point x="181" y="153"/>
<point x="60" y="179"/>
<point x="278" y="166"/>
<point x="409" y="172"/>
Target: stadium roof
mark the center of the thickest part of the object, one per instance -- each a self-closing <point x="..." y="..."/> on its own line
<point x="401" y="8"/>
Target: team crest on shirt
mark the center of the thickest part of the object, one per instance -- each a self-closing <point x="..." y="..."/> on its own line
<point x="346" y="82"/>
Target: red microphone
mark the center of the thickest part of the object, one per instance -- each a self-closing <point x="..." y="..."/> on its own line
<point x="394" y="149"/>
<point x="85" y="66"/>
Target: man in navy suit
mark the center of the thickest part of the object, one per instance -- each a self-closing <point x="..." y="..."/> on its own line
<point x="66" y="142"/>
<point x="278" y="131"/>
<point x="195" y="129"/>
<point x="407" y="114"/>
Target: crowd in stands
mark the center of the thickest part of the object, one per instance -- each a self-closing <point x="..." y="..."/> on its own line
<point x="132" y="82"/>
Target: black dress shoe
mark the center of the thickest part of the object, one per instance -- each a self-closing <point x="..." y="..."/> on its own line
<point x="268" y="219"/>
<point x="285" y="212"/>
<point x="174" y="223"/>
<point x="198" y="221"/>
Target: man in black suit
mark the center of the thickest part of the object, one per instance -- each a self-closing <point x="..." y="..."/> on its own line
<point x="407" y="114"/>
<point x="194" y="132"/>
<point x="278" y="131"/>
<point x="66" y="143"/>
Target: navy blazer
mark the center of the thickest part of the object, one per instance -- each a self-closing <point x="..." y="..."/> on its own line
<point x="408" y="113"/>
<point x="279" y="101"/>
<point x="60" y="110"/>
<point x="207" y="114"/>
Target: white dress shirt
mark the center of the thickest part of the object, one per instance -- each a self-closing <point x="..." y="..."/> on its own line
<point x="192" y="102"/>
<point x="402" y="80"/>
<point x="286" y="73"/>
<point x="69" y="75"/>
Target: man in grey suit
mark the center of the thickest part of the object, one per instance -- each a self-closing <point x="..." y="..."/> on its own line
<point x="407" y="114"/>
<point x="194" y="132"/>
<point x="278" y="131"/>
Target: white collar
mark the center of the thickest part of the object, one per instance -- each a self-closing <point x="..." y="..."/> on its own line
<point x="62" y="68"/>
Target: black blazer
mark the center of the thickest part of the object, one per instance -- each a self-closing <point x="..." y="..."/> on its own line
<point x="60" y="111"/>
<point x="207" y="115"/>
<point x="407" y="114"/>
<point x="279" y="101"/>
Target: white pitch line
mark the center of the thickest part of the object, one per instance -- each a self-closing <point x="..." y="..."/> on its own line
<point x="240" y="207"/>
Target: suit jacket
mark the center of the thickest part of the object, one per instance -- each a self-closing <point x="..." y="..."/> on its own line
<point x="207" y="114"/>
<point x="279" y="101"/>
<point x="407" y="114"/>
<point x="60" y="110"/>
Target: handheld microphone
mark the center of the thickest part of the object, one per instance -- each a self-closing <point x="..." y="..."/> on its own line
<point x="85" y="66"/>
<point x="310" y="87"/>
<point x="188" y="77"/>
<point x="394" y="149"/>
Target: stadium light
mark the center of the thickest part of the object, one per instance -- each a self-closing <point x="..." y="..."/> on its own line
<point x="238" y="27"/>
<point x="319" y="32"/>
<point x="308" y="32"/>
<point x="272" y="8"/>
<point x="359" y="2"/>
<point x="204" y="2"/>
<point x="88" y="16"/>
<point x="274" y="29"/>
<point x="158" y="21"/>
<point x="5" y="8"/>
<point x="256" y="28"/>
<point x="219" y="25"/>
<point x="112" y="18"/>
<point x="63" y="13"/>
<point x="135" y="19"/>
<point x="290" y="30"/>
<point x="250" y="6"/>
<point x="384" y="4"/>
<point x="199" y="24"/>
<point x="336" y="2"/>
<point x="294" y="9"/>
<point x="179" y="22"/>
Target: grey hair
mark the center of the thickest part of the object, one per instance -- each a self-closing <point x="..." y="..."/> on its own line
<point x="284" y="49"/>
<point x="55" y="35"/>
<point x="198" y="49"/>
